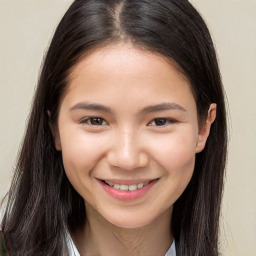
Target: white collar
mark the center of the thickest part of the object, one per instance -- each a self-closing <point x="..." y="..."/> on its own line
<point x="74" y="252"/>
<point x="71" y="246"/>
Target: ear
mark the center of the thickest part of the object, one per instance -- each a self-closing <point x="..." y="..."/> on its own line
<point x="205" y="127"/>
<point x="56" y="136"/>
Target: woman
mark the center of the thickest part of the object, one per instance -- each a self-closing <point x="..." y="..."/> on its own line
<point x="125" y="148"/>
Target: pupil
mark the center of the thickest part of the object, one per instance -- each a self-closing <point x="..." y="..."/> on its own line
<point x="160" y="121"/>
<point x="96" y="121"/>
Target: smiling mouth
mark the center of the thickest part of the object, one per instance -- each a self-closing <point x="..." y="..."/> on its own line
<point x="124" y="187"/>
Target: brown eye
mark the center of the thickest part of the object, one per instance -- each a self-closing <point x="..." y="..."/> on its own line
<point x="96" y="121"/>
<point x="160" y="121"/>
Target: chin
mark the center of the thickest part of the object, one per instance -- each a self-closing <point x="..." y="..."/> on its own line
<point x="129" y="222"/>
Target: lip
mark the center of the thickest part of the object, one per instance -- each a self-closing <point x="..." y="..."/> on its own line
<point x="127" y="195"/>
<point x="128" y="182"/>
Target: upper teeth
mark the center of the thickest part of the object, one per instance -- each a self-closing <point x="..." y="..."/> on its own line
<point x="123" y="187"/>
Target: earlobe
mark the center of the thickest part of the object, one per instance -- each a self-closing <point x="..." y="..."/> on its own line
<point x="205" y="128"/>
<point x="56" y="136"/>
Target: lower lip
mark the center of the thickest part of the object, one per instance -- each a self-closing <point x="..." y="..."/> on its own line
<point x="127" y="195"/>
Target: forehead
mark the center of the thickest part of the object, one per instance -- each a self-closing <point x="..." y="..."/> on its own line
<point x="112" y="59"/>
<point x="125" y="72"/>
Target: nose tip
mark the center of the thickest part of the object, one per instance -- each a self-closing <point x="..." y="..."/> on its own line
<point x="128" y="154"/>
<point x="128" y="161"/>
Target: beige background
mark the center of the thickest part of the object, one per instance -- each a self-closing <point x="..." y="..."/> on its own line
<point x="26" y="27"/>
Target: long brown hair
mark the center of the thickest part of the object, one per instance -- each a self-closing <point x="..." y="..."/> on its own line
<point x="42" y="204"/>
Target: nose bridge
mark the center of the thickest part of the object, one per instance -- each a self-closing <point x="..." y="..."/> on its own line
<point x="127" y="150"/>
<point x="127" y="147"/>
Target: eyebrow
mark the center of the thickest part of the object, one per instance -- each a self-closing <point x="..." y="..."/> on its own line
<point x="147" y="110"/>
<point x="91" y="106"/>
<point x="162" y="107"/>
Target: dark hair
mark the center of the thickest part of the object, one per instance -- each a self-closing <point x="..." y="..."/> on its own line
<point x="42" y="203"/>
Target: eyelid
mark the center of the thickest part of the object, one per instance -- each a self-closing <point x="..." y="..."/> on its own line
<point x="85" y="121"/>
<point x="169" y="120"/>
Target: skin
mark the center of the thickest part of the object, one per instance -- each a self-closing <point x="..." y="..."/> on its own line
<point x="128" y="144"/>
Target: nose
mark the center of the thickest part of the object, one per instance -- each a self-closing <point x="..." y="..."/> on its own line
<point x="127" y="152"/>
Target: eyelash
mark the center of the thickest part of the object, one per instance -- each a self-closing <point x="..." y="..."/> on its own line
<point x="167" y="120"/>
<point x="88" y="121"/>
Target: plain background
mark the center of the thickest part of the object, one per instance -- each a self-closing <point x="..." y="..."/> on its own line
<point x="25" y="30"/>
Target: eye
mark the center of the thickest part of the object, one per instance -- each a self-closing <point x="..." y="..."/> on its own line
<point x="161" y="122"/>
<point x="94" y="121"/>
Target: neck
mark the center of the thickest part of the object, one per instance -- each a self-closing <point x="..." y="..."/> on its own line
<point x="101" y="238"/>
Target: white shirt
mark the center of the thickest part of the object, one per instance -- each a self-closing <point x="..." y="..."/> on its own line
<point x="74" y="252"/>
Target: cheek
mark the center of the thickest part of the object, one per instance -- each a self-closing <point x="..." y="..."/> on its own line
<point x="175" y="152"/>
<point x="176" y="157"/>
<point x="80" y="151"/>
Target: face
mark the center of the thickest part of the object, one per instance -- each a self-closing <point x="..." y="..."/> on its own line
<point x="128" y="132"/>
